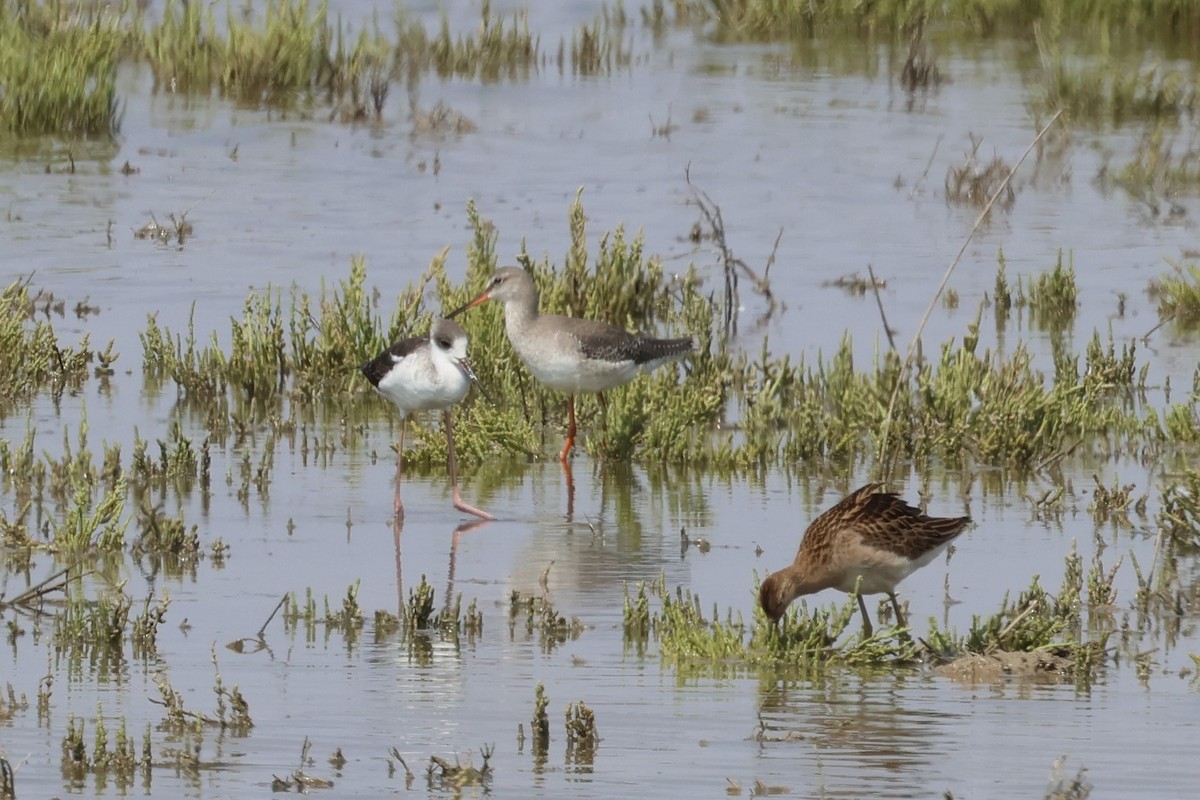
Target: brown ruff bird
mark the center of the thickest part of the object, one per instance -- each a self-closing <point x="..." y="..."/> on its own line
<point x="569" y="354"/>
<point x="868" y="534"/>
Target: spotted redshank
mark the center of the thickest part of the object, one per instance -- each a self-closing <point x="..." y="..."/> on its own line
<point x="568" y="354"/>
<point x="424" y="375"/>
<point x="871" y="535"/>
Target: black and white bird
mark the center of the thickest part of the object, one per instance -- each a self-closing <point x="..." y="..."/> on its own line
<point x="426" y="374"/>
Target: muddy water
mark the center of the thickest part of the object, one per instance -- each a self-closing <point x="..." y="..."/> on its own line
<point x="781" y="139"/>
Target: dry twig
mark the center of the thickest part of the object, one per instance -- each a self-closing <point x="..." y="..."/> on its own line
<point x="914" y="344"/>
<point x="732" y="265"/>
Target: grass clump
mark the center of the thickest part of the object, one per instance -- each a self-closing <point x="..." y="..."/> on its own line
<point x="497" y="50"/>
<point x="256" y="61"/>
<point x="694" y="643"/>
<point x="232" y="712"/>
<point x="1052" y="297"/>
<point x="1178" y="295"/>
<point x="582" y="736"/>
<point x="1179" y="516"/>
<point x="1161" y="168"/>
<point x="539" y="724"/>
<point x="32" y="359"/>
<point x="292" y="55"/>
<point x="94" y="632"/>
<point x="349" y="618"/>
<point x="1113" y="503"/>
<point x="542" y="618"/>
<point x="419" y="613"/>
<point x="120" y="759"/>
<point x="87" y="523"/>
<point x="58" y="64"/>
<point x="446" y="776"/>
<point x="1038" y="634"/>
<point x="599" y="48"/>
<point x="1102" y="86"/>
<point x="1173" y="21"/>
<point x="974" y="183"/>
<point x="303" y="353"/>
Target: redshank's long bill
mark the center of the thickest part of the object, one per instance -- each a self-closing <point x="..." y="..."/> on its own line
<point x="871" y="535"/>
<point x="569" y="354"/>
<point x="425" y="375"/>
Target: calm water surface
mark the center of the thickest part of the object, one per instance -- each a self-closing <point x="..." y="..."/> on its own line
<point x="781" y="139"/>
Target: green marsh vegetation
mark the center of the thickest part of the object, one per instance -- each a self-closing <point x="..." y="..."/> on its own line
<point x="720" y="410"/>
<point x="416" y="624"/>
<point x="288" y="367"/>
<point x="1103" y="64"/>
<point x="32" y="358"/>
<point x="542" y="619"/>
<point x="291" y="56"/>
<point x="770" y="19"/>
<point x="119" y="760"/>
<point x="58" y="64"/>
<point x="1178" y="295"/>
<point x="291" y="358"/>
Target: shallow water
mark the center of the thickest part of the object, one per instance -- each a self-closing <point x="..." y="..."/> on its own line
<point x="780" y="139"/>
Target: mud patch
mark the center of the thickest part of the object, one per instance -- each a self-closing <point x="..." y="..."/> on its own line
<point x="1039" y="666"/>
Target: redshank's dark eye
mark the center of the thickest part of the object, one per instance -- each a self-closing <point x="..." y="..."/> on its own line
<point x="496" y="281"/>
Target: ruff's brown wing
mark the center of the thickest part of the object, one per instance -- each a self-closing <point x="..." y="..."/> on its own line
<point x="882" y="521"/>
<point x="887" y="523"/>
<point x="816" y="547"/>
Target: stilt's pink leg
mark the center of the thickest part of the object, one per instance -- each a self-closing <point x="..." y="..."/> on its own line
<point x="397" y="503"/>
<point x="453" y="464"/>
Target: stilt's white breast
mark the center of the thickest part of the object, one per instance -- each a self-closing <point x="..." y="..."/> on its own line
<point x="419" y="382"/>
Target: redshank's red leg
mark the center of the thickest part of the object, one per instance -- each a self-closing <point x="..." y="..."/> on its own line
<point x="570" y="430"/>
<point x="603" y="422"/>
<point x="570" y="478"/>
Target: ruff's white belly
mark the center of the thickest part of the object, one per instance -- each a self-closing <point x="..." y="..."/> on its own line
<point x="881" y="574"/>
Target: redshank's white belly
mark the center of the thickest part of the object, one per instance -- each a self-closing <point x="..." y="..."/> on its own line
<point x="557" y="361"/>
